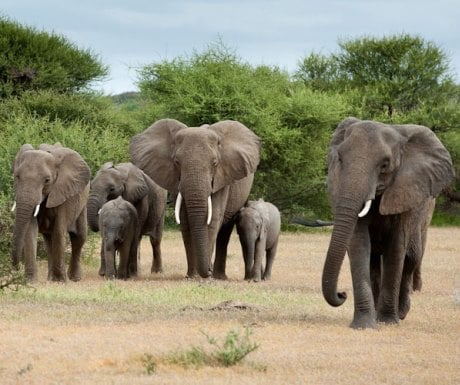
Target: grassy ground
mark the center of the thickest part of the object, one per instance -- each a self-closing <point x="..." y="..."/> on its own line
<point x="123" y="332"/>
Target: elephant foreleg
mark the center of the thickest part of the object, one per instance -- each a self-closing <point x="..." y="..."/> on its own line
<point x="359" y="254"/>
<point x="393" y="262"/>
<point x="222" y="240"/>
<point x="157" y="263"/>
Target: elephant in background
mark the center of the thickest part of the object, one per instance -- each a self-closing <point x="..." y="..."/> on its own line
<point x="258" y="225"/>
<point x="211" y="170"/>
<point x="119" y="226"/>
<point x="149" y="199"/>
<point x="51" y="188"/>
<point x="383" y="180"/>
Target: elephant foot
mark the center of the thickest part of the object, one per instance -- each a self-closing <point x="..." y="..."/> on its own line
<point x="221" y="276"/>
<point x="388" y="319"/>
<point x="364" y="321"/>
<point x="101" y="272"/>
<point x="75" y="274"/>
<point x="57" y="278"/>
<point x="404" y="307"/>
<point x="156" y="269"/>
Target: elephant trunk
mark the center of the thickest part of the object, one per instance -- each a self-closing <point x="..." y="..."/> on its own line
<point x="345" y="220"/>
<point x="93" y="206"/>
<point x="24" y="215"/>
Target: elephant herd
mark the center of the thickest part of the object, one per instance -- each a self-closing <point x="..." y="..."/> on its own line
<point x="382" y="180"/>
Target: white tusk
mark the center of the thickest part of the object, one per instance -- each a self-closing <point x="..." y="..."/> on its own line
<point x="177" y="208"/>
<point x="366" y="208"/>
<point x="14" y="206"/>
<point x="209" y="210"/>
<point x="99" y="212"/>
<point x="37" y="208"/>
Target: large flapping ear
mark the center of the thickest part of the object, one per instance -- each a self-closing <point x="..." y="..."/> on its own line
<point x="135" y="183"/>
<point x="151" y="151"/>
<point x="333" y="156"/>
<point x="73" y="175"/>
<point x="426" y="169"/>
<point x="239" y="150"/>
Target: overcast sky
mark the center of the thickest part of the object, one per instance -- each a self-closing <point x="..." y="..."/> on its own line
<point x="129" y="34"/>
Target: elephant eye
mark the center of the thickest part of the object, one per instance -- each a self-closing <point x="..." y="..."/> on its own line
<point x="47" y="179"/>
<point x="385" y="166"/>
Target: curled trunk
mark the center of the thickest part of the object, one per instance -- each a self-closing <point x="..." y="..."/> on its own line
<point x="93" y="206"/>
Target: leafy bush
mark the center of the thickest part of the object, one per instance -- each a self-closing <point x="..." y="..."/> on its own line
<point x="34" y="60"/>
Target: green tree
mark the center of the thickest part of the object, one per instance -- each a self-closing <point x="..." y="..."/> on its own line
<point x="36" y="60"/>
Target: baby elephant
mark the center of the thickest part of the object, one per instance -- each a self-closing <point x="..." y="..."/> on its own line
<point x="120" y="232"/>
<point x="258" y="224"/>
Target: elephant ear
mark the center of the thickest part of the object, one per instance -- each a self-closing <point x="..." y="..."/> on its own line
<point x="333" y="156"/>
<point x="426" y="169"/>
<point x="239" y="152"/>
<point x="73" y="175"/>
<point x="135" y="183"/>
<point x="151" y="152"/>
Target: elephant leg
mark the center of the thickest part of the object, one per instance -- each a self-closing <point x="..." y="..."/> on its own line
<point x="223" y="238"/>
<point x="30" y="252"/>
<point x="134" y="263"/>
<point x="376" y="275"/>
<point x="359" y="255"/>
<point x="258" y="255"/>
<point x="125" y="260"/>
<point x="77" y="240"/>
<point x="102" y="268"/>
<point x="157" y="263"/>
<point x="269" y="262"/>
<point x="56" y="265"/>
<point x="191" y="262"/>
<point x="393" y="262"/>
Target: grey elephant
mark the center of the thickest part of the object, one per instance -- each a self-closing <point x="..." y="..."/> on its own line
<point x="119" y="225"/>
<point x="211" y="170"/>
<point x="149" y="199"/>
<point x="383" y="180"/>
<point x="51" y="188"/>
<point x="258" y="225"/>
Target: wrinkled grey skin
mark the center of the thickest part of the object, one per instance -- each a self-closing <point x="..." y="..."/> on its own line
<point x="57" y="179"/>
<point x="149" y="199"/>
<point x="216" y="161"/>
<point x="119" y="227"/>
<point x="258" y="225"/>
<point x="401" y="168"/>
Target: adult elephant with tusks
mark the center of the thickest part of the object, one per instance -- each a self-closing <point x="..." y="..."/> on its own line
<point x="51" y="187"/>
<point x="211" y="170"/>
<point x="383" y="180"/>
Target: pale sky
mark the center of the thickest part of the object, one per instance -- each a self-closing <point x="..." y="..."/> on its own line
<point x="130" y="34"/>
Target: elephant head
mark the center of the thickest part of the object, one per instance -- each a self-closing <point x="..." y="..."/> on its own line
<point x="110" y="182"/>
<point x="389" y="169"/>
<point x="43" y="178"/>
<point x="196" y="163"/>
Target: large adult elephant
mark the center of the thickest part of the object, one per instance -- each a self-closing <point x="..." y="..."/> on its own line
<point x="211" y="169"/>
<point x="382" y="180"/>
<point x="51" y="188"/>
<point x="149" y="199"/>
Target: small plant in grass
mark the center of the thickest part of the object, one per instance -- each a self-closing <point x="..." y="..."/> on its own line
<point x="227" y="353"/>
<point x="149" y="363"/>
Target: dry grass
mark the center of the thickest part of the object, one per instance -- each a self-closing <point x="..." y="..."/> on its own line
<point x="98" y="332"/>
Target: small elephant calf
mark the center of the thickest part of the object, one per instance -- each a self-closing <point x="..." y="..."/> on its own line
<point x="258" y="225"/>
<point x="118" y="223"/>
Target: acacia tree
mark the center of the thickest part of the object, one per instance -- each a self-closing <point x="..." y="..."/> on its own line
<point x="35" y="60"/>
<point x="395" y="74"/>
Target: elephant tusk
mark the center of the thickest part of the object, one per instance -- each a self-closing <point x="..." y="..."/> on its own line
<point x="14" y="206"/>
<point x="366" y="208"/>
<point x="209" y="210"/>
<point x="99" y="212"/>
<point x="37" y="208"/>
<point x="177" y="207"/>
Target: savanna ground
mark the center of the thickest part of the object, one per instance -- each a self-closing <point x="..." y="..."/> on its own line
<point x="122" y="332"/>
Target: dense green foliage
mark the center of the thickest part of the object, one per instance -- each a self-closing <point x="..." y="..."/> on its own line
<point x="34" y="60"/>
